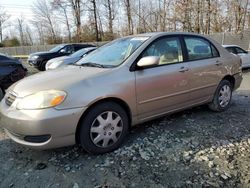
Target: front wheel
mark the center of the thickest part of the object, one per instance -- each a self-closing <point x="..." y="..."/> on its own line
<point x="1" y="94"/>
<point x="103" y="128"/>
<point x="42" y="66"/>
<point x="222" y="97"/>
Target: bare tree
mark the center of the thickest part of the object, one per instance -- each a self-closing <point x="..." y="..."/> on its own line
<point x="109" y="7"/>
<point x="44" y="15"/>
<point x="29" y="35"/>
<point x="20" y="25"/>
<point x="3" y="18"/>
<point x="129" y="16"/>
<point x="95" y="13"/>
<point x="63" y="6"/>
<point x="76" y="9"/>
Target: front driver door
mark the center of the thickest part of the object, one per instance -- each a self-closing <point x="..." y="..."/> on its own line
<point x="164" y="87"/>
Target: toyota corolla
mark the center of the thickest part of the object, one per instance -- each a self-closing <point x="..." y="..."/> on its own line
<point x="126" y="82"/>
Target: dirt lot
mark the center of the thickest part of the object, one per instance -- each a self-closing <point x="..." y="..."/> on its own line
<point x="194" y="148"/>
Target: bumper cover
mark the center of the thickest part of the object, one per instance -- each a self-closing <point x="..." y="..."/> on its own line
<point x="60" y="125"/>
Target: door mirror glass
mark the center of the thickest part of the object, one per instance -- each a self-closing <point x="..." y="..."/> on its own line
<point x="63" y="51"/>
<point x="148" y="61"/>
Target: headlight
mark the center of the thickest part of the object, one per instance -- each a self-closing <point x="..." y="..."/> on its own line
<point x="42" y="99"/>
<point x="34" y="57"/>
<point x="54" y="65"/>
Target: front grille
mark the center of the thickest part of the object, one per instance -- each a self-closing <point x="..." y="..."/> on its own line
<point x="11" y="97"/>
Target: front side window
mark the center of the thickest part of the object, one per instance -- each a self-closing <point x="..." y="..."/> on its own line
<point x="199" y="48"/>
<point x="113" y="53"/>
<point x="167" y="49"/>
<point x="67" y="49"/>
<point x="57" y="48"/>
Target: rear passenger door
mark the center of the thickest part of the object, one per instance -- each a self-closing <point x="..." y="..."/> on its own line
<point x="205" y="68"/>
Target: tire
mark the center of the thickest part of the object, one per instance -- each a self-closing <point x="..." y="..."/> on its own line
<point x="42" y="66"/>
<point x="221" y="103"/>
<point x="1" y="94"/>
<point x="100" y="135"/>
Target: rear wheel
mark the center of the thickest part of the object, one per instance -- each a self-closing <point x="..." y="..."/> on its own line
<point x="103" y="128"/>
<point x="222" y="97"/>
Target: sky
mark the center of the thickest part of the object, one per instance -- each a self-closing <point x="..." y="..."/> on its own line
<point x="16" y="8"/>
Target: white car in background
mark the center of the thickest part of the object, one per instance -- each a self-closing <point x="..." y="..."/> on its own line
<point x="244" y="55"/>
<point x="66" y="60"/>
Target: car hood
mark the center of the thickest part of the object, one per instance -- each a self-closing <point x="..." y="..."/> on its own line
<point x="69" y="60"/>
<point x="42" y="53"/>
<point x="58" y="79"/>
<point x="57" y="59"/>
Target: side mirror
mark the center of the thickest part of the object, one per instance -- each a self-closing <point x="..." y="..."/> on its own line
<point x="148" y="61"/>
<point x="63" y="51"/>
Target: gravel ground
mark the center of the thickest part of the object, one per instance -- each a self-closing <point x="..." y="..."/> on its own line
<point x="193" y="148"/>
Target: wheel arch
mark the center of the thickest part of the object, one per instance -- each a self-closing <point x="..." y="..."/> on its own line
<point x="118" y="101"/>
<point x="230" y="78"/>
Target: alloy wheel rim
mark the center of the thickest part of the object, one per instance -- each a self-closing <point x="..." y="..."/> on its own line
<point x="225" y="96"/>
<point x="106" y="129"/>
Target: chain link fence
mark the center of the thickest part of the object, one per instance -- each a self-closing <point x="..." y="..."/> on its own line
<point x="242" y="39"/>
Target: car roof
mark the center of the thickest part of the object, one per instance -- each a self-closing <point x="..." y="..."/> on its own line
<point x="230" y="45"/>
<point x="166" y="33"/>
<point x="77" y="44"/>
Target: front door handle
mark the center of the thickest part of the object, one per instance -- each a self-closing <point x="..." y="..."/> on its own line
<point x="218" y="63"/>
<point x="184" y="69"/>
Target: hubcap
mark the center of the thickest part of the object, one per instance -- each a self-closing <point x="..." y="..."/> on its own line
<point x="225" y="96"/>
<point x="106" y="129"/>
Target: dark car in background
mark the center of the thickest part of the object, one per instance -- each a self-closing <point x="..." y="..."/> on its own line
<point x="39" y="59"/>
<point x="66" y="60"/>
<point x="11" y="70"/>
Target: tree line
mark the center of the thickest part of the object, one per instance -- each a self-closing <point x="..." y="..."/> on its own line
<point x="57" y="21"/>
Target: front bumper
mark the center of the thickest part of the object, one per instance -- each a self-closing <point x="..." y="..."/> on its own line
<point x="34" y="63"/>
<point x="51" y="128"/>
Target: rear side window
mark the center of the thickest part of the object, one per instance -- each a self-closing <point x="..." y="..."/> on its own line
<point x="240" y="51"/>
<point x="199" y="48"/>
<point x="230" y="49"/>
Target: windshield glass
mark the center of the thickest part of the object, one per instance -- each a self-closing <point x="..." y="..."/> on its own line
<point x="81" y="52"/>
<point x="57" y="48"/>
<point x="113" y="53"/>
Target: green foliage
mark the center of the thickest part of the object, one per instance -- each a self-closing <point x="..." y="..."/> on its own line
<point x="52" y="40"/>
<point x="11" y="42"/>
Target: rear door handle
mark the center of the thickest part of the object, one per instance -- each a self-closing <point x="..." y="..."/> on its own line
<point x="184" y="69"/>
<point x="218" y="63"/>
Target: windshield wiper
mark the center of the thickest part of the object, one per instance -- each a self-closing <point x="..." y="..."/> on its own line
<point x="89" y="64"/>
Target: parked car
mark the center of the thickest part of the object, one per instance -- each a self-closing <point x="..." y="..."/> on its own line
<point x="95" y="101"/>
<point x="65" y="60"/>
<point x="11" y="70"/>
<point x="244" y="55"/>
<point x="39" y="59"/>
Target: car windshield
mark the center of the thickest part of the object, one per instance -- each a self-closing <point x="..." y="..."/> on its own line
<point x="57" y="48"/>
<point x="113" y="53"/>
<point x="81" y="52"/>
